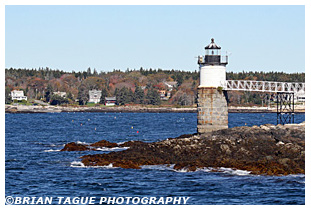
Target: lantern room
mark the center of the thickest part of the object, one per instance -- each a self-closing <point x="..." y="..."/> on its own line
<point x="213" y="55"/>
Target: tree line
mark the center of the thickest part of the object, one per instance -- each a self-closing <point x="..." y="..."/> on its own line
<point x="139" y="86"/>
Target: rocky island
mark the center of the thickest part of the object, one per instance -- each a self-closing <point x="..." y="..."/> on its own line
<point x="266" y="149"/>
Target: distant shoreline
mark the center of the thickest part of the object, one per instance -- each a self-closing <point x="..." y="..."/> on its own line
<point x="132" y="109"/>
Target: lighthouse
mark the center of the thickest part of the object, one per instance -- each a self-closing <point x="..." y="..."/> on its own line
<point x="212" y="99"/>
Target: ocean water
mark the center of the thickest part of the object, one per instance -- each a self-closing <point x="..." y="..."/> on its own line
<point x="34" y="166"/>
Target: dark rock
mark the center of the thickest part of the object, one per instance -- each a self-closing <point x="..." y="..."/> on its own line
<point x="104" y="143"/>
<point x="132" y="144"/>
<point x="126" y="164"/>
<point x="72" y="146"/>
<point x="268" y="149"/>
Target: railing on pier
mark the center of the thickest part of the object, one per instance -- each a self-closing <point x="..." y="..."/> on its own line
<point x="264" y="86"/>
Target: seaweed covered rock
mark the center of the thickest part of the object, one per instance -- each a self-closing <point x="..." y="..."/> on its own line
<point x="266" y="149"/>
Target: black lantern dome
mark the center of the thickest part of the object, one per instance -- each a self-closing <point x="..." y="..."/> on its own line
<point x="213" y="55"/>
<point x="212" y="45"/>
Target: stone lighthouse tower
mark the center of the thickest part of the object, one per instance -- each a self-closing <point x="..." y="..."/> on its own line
<point x="212" y="100"/>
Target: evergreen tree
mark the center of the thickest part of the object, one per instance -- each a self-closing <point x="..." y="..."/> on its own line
<point x="153" y="97"/>
<point x="139" y="95"/>
<point x="103" y="96"/>
<point x="48" y="93"/>
<point x="130" y="95"/>
<point x="8" y="98"/>
<point x="122" y="96"/>
<point x="58" y="100"/>
<point x="95" y="73"/>
<point x="179" y="79"/>
<point x="88" y="72"/>
<point x="116" y="91"/>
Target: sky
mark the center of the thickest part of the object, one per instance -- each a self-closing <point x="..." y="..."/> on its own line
<point x="257" y="38"/>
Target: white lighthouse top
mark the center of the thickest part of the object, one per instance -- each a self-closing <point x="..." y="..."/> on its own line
<point x="213" y="67"/>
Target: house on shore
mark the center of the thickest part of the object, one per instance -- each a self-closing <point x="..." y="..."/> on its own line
<point x="162" y="94"/>
<point x="18" y="95"/>
<point x="62" y="94"/>
<point x="300" y="96"/>
<point x="110" y="101"/>
<point x="95" y="96"/>
<point x="170" y="85"/>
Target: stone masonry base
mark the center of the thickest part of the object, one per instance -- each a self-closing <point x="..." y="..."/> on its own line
<point x="212" y="110"/>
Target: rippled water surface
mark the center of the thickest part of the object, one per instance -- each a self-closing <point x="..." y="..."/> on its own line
<point x="35" y="166"/>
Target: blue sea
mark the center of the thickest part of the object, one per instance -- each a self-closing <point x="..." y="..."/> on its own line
<point x="35" y="167"/>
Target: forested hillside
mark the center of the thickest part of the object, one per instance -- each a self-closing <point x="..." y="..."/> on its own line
<point x="143" y="86"/>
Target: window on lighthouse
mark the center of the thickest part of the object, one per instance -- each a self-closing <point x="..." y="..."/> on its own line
<point x="212" y="52"/>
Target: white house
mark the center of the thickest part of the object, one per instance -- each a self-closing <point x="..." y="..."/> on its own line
<point x="170" y="85"/>
<point x="95" y="96"/>
<point x="300" y="96"/>
<point x="62" y="94"/>
<point x="18" y="95"/>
